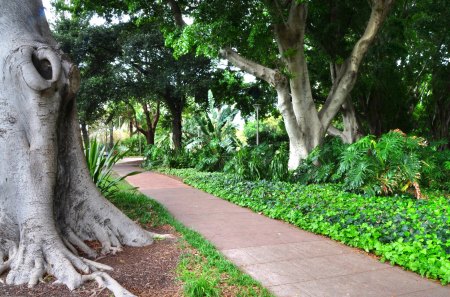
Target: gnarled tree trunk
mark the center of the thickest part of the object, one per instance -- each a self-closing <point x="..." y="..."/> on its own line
<point x="48" y="203"/>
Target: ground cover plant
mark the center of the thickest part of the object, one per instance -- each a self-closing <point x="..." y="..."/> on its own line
<point x="202" y="269"/>
<point x="400" y="229"/>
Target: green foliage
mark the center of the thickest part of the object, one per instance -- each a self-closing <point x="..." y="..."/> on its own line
<point x="201" y="286"/>
<point x="271" y="130"/>
<point x="100" y="164"/>
<point x="259" y="162"/>
<point x="135" y="145"/>
<point x="203" y="272"/>
<point x="322" y="165"/>
<point x="211" y="137"/>
<point x="162" y="156"/>
<point x="404" y="231"/>
<point x="392" y="164"/>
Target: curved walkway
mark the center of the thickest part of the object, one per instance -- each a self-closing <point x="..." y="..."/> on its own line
<point x="288" y="261"/>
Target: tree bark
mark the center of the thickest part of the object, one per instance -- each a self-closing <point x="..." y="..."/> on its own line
<point x="177" y="128"/>
<point x="352" y="127"/>
<point x="48" y="202"/>
<point x="111" y="135"/>
<point x="85" y="134"/>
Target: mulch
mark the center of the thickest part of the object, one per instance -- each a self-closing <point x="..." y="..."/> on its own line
<point x="144" y="271"/>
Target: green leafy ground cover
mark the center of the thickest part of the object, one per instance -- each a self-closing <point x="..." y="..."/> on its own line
<point x="412" y="233"/>
<point x="203" y="271"/>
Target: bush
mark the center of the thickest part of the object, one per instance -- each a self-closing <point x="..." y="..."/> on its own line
<point x="408" y="232"/>
<point x="131" y="145"/>
<point x="394" y="163"/>
<point x="156" y="157"/>
<point x="322" y="164"/>
<point x="259" y="162"/>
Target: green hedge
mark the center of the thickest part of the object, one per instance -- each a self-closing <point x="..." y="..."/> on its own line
<point x="404" y="231"/>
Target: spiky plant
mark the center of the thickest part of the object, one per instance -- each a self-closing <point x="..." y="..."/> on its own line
<point x="100" y="163"/>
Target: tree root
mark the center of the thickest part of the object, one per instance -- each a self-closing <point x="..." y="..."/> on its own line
<point x="157" y="236"/>
<point x="104" y="280"/>
<point x="97" y="266"/>
<point x="28" y="263"/>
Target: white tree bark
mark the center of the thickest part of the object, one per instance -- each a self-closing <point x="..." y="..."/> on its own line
<point x="352" y="128"/>
<point x="48" y="203"/>
<point x="305" y="124"/>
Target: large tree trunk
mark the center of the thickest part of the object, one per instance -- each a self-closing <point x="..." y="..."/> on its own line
<point x="48" y="203"/>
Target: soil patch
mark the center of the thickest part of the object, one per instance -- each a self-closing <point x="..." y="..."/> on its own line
<point x="145" y="271"/>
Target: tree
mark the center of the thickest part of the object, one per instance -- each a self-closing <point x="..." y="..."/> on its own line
<point x="49" y="203"/>
<point x="151" y="119"/>
<point x="272" y="45"/>
<point x="169" y="80"/>
<point x="93" y="49"/>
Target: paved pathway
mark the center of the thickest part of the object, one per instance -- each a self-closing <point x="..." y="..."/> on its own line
<point x="288" y="261"/>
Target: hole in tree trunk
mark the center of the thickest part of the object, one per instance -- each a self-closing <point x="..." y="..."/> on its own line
<point x="44" y="67"/>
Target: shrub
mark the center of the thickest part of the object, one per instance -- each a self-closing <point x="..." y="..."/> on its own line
<point x="134" y="145"/>
<point x="259" y="162"/>
<point x="322" y="164"/>
<point x="156" y="157"/>
<point x="392" y="164"/>
<point x="100" y="164"/>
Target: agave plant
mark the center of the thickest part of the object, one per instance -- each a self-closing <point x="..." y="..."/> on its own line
<point x="100" y="163"/>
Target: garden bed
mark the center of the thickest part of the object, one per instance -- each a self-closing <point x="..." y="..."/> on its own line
<point x="412" y="233"/>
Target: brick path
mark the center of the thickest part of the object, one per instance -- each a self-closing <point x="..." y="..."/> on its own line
<point x="288" y="261"/>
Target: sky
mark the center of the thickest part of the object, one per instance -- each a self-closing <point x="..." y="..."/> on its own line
<point x="49" y="12"/>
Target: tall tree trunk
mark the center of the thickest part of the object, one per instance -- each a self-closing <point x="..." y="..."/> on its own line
<point x="130" y="128"/>
<point x="177" y="128"/>
<point x="85" y="134"/>
<point x="48" y="202"/>
<point x="151" y="121"/>
<point x="111" y="135"/>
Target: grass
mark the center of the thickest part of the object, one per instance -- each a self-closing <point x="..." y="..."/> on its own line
<point x="203" y="271"/>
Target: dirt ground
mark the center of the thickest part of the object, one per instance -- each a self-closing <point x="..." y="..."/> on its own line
<point x="145" y="271"/>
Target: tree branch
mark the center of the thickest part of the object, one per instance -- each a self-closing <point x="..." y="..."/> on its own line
<point x="333" y="131"/>
<point x="347" y="77"/>
<point x="140" y="69"/>
<point x="176" y="12"/>
<point x="275" y="9"/>
<point x="269" y="75"/>
<point x="158" y="112"/>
